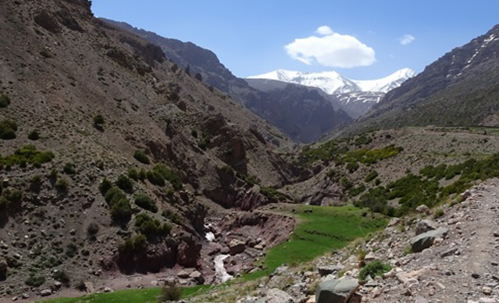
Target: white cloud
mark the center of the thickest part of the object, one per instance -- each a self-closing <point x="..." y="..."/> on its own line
<point x="332" y="50"/>
<point x="406" y="39"/>
<point x="324" y="30"/>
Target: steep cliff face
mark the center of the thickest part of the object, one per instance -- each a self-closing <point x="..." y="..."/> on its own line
<point x="112" y="156"/>
<point x="301" y="122"/>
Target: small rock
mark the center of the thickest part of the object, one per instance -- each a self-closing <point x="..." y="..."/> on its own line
<point x="424" y="226"/>
<point x="423" y="209"/>
<point x="448" y="253"/>
<point x="420" y="299"/>
<point x="236" y="247"/>
<point x="487" y="290"/>
<point x="108" y="289"/>
<point x="25" y="296"/>
<point x="46" y="292"/>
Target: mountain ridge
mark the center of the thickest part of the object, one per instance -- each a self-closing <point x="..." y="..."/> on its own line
<point x="331" y="82"/>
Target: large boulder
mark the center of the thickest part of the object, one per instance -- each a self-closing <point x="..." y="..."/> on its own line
<point x="424" y="226"/>
<point x="425" y="240"/>
<point x="336" y="290"/>
<point x="236" y="247"/>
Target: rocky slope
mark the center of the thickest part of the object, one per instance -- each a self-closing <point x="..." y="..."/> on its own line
<point x="447" y="254"/>
<point x="302" y="120"/>
<point x="112" y="157"/>
<point x="460" y="88"/>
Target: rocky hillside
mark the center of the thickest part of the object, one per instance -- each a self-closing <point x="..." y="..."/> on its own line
<point x="113" y="158"/>
<point x="460" y="88"/>
<point x="302" y="120"/>
<point x="448" y="254"/>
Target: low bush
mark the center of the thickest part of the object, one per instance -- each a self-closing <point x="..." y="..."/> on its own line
<point x="4" y="101"/>
<point x="105" y="185"/>
<point x="8" y="129"/>
<point x="133" y="245"/>
<point x="98" y="121"/>
<point x="133" y="174"/>
<point x="27" y="155"/>
<point x="141" y="157"/>
<point x="150" y="227"/>
<point x="125" y="183"/>
<point x="371" y="176"/>
<point x="62" y="277"/>
<point x="71" y="250"/>
<point x="170" y="293"/>
<point x="34" y="135"/>
<point x="144" y="201"/>
<point x="119" y="205"/>
<point x="92" y="229"/>
<point x="272" y="194"/>
<point x="373" y="269"/>
<point x="62" y="185"/>
<point x="35" y="281"/>
<point x="69" y="169"/>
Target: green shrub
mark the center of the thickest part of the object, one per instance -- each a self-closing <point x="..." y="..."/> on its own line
<point x="373" y="269"/>
<point x="35" y="281"/>
<point x="8" y="129"/>
<point x="355" y="191"/>
<point x="98" y="121"/>
<point x="142" y="174"/>
<point x="144" y="201"/>
<point x="27" y="155"/>
<point x="62" y="185"/>
<point x="371" y="176"/>
<point x="125" y="183"/>
<point x="346" y="183"/>
<point x="272" y="194"/>
<point x="205" y="141"/>
<point x="69" y="168"/>
<point x="170" y="293"/>
<point x="4" y="101"/>
<point x="171" y="216"/>
<point x="141" y="157"/>
<point x="133" y="245"/>
<point x="167" y="174"/>
<point x="34" y="135"/>
<point x="352" y="166"/>
<point x="71" y="250"/>
<point x="119" y="205"/>
<point x="439" y="213"/>
<point x="150" y="227"/>
<point x="92" y="229"/>
<point x="62" y="277"/>
<point x="133" y="174"/>
<point x="104" y="186"/>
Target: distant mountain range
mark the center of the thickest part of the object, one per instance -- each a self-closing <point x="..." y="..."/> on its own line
<point x="356" y="97"/>
<point x="333" y="83"/>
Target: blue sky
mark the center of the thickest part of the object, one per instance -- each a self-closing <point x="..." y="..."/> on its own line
<point x="363" y="40"/>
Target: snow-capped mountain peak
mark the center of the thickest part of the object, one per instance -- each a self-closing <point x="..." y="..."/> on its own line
<point x="332" y="82"/>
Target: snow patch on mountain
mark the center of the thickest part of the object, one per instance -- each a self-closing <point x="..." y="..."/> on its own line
<point x="332" y="82"/>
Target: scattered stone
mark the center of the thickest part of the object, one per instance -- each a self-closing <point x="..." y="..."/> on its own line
<point x="236" y="247"/>
<point x="425" y="240"/>
<point x="487" y="290"/>
<point x="393" y="222"/>
<point x="25" y="296"/>
<point x="423" y="209"/>
<point x="330" y="269"/>
<point x="197" y="276"/>
<point x="450" y="252"/>
<point x="46" y="292"/>
<point x="336" y="290"/>
<point x="108" y="290"/>
<point x="183" y="274"/>
<point x="424" y="226"/>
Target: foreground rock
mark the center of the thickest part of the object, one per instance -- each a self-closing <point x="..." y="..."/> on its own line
<point x="336" y="291"/>
<point x="425" y="240"/>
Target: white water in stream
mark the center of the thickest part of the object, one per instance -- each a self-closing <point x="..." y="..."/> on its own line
<point x="220" y="271"/>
